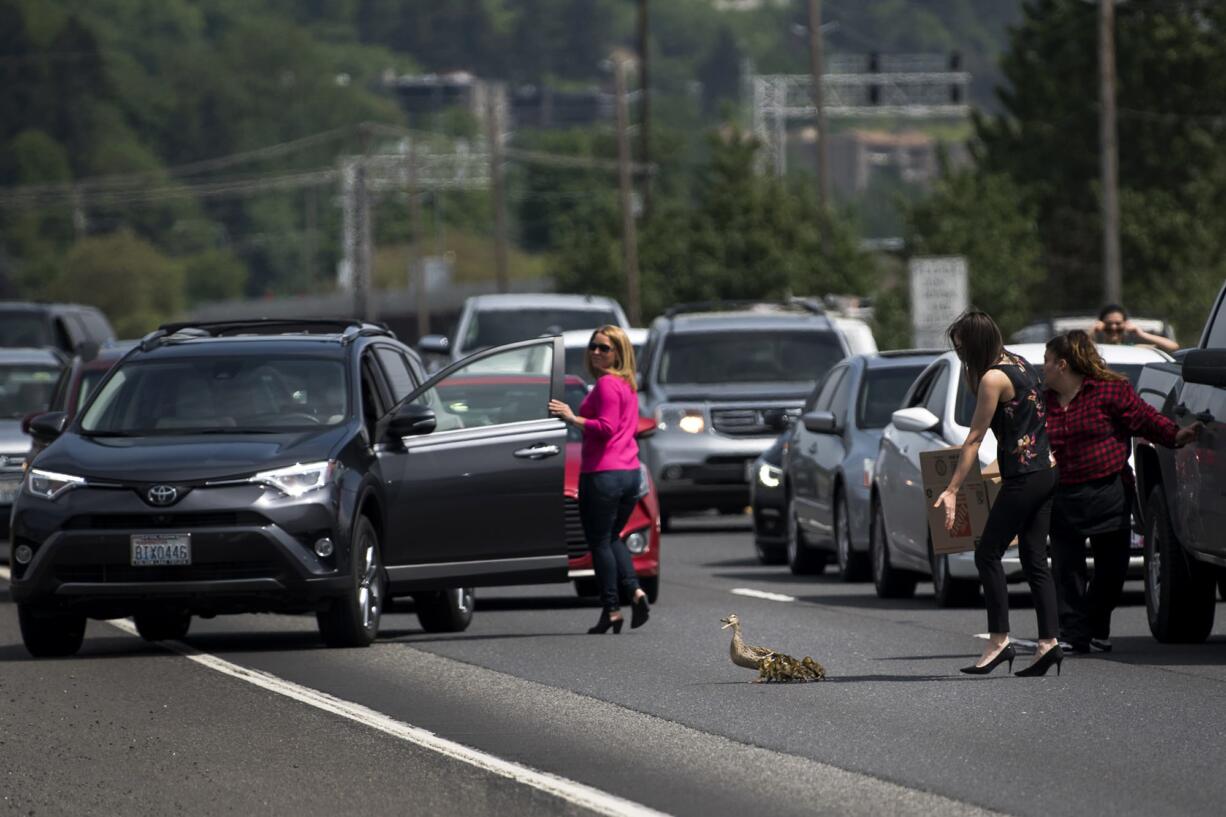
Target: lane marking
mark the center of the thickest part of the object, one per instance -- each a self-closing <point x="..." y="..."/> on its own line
<point x="761" y="594"/>
<point x="571" y="791"/>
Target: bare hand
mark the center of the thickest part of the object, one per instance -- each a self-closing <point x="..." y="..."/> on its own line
<point x="562" y="411"/>
<point x="1097" y="328"/>
<point x="1188" y="434"/>
<point x="1130" y="328"/>
<point x="949" y="500"/>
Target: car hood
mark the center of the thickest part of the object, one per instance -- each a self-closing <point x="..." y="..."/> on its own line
<point x="185" y="458"/>
<point x="12" y="439"/>
<point x="734" y="392"/>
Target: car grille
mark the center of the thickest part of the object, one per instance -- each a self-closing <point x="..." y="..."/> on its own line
<point x="745" y="421"/>
<point x="101" y="574"/>
<point x="576" y="540"/>
<point x="177" y="521"/>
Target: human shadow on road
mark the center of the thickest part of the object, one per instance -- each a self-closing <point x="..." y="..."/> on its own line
<point x="92" y="648"/>
<point x="746" y="562"/>
<point x="1146" y="651"/>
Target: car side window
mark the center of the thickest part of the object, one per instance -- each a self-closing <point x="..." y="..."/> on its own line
<point x="838" y="403"/>
<point x="494" y="389"/>
<point x="1216" y="339"/>
<point x="374" y="401"/>
<point x="396" y="367"/>
<point x="937" y="394"/>
<point x="920" y="392"/>
<point x="826" y="396"/>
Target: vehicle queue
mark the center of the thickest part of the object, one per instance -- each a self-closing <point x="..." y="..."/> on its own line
<point x="777" y="406"/>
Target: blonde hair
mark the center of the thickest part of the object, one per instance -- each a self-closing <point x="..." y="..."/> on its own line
<point x="624" y="364"/>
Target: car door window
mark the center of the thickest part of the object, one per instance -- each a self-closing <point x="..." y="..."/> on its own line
<point x="838" y="401"/>
<point x="938" y="393"/>
<point x="826" y="395"/>
<point x="396" y="368"/>
<point x="920" y="393"/>
<point x="374" y="401"/>
<point x="493" y="390"/>
<point x="1216" y="338"/>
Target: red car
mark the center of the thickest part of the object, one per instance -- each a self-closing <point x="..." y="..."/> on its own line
<point x="77" y="382"/>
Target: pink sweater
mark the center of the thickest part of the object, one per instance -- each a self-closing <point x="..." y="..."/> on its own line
<point x="612" y="411"/>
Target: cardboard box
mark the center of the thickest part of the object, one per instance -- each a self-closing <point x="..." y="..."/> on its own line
<point x="974" y="501"/>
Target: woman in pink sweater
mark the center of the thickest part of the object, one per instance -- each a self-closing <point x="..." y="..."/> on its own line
<point x="609" y="477"/>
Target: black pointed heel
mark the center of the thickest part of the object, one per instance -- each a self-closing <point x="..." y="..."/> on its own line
<point x="1007" y="654"/>
<point x="1043" y="663"/>
<point x="603" y="625"/>
<point x="639" y="612"/>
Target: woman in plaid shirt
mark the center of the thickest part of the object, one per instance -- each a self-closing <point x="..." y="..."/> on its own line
<point x="1092" y="415"/>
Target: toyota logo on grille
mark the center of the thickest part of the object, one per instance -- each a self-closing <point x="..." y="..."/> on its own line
<point x="162" y="494"/>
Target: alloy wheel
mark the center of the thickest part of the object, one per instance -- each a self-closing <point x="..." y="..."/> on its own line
<point x="370" y="588"/>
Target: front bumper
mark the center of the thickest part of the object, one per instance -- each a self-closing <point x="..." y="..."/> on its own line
<point x="705" y="470"/>
<point x="251" y="551"/>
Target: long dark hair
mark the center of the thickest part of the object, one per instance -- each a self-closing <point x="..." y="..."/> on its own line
<point x="977" y="340"/>
<point x="1077" y="350"/>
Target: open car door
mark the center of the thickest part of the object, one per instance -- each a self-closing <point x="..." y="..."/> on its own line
<point x="479" y="466"/>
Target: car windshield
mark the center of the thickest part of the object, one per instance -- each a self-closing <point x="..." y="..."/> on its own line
<point x="25" y="389"/>
<point x="220" y="395"/>
<point x="496" y="327"/>
<point x="749" y="357"/>
<point x="882" y="392"/>
<point x="23" y="329"/>
<point x="966" y="400"/>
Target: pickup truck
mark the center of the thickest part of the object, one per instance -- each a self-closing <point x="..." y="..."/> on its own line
<point x="1183" y="491"/>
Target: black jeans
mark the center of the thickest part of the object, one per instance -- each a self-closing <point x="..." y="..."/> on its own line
<point x="1023" y="509"/>
<point x="1085" y="612"/>
<point x="606" y="500"/>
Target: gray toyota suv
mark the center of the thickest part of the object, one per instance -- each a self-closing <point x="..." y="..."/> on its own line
<point x="722" y="380"/>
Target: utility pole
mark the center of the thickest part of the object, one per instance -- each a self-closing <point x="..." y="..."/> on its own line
<point x="815" y="68"/>
<point x="417" y="266"/>
<point x="361" y="216"/>
<point x="630" y="254"/>
<point x="493" y="131"/>
<point x="1108" y="153"/>
<point x="644" y="103"/>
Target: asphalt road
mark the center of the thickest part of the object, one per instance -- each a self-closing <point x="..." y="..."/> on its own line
<point x="658" y="717"/>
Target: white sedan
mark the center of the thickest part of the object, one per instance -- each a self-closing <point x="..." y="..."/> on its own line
<point x="936" y="413"/>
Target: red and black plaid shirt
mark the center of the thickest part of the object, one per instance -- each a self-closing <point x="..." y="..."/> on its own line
<point x="1091" y="436"/>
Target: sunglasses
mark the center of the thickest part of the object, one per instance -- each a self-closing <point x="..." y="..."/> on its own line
<point x="603" y="348"/>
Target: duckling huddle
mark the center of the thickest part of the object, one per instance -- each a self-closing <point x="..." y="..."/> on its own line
<point x="772" y="666"/>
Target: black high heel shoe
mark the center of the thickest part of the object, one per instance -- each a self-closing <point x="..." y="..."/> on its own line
<point x="603" y="625"/>
<point x="1043" y="663"/>
<point x="639" y="611"/>
<point x="1007" y="654"/>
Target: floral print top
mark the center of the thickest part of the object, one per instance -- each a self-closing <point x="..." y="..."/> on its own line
<point x="1020" y="425"/>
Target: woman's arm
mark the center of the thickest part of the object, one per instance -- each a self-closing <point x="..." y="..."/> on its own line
<point x="1163" y="343"/>
<point x="600" y="404"/>
<point x="991" y="388"/>
<point x="1142" y="419"/>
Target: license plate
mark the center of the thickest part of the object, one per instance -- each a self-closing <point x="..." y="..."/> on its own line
<point x="160" y="549"/>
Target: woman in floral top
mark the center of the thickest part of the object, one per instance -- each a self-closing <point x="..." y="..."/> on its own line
<point x="1008" y="401"/>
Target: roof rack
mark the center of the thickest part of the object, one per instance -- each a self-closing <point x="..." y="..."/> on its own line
<point x="809" y="305"/>
<point x="348" y="328"/>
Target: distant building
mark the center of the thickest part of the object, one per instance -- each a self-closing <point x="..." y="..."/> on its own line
<point x="529" y="106"/>
<point x="856" y="155"/>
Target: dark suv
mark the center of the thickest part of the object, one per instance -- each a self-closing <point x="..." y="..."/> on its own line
<point x="290" y="466"/>
<point x="62" y="326"/>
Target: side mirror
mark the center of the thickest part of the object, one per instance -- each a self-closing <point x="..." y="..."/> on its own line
<point x="776" y="419"/>
<point x="411" y="420"/>
<point x="1205" y="367"/>
<point x="434" y="345"/>
<point x="646" y="427"/>
<point x="915" y="419"/>
<point x="88" y="349"/>
<point x="821" y="422"/>
<point x="47" y="426"/>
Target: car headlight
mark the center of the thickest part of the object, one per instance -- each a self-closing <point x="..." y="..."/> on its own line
<point x="769" y="475"/>
<point x="691" y="420"/>
<point x="299" y="479"/>
<point x="49" y="485"/>
<point x="637" y="542"/>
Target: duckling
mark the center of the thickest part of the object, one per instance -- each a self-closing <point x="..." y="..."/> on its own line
<point x="772" y="666"/>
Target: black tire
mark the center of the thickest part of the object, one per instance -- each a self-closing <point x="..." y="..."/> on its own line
<point x="353" y="619"/>
<point x="586" y="588"/>
<point x="1179" y="593"/>
<point x="651" y="586"/>
<point x="445" y="611"/>
<point x="769" y="554"/>
<point x="948" y="591"/>
<point x="50" y="635"/>
<point x="163" y="625"/>
<point x="802" y="560"/>
<point x="853" y="566"/>
<point x="890" y="582"/>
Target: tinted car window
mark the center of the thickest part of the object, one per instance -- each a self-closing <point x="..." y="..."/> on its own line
<point x="252" y="394"/>
<point x="881" y="394"/>
<point x="25" y="389"/>
<point x="497" y="327"/>
<point x="397" y="370"/>
<point x="89" y="381"/>
<point x="748" y="357"/>
<point x="23" y="329"/>
<point x="939" y="394"/>
<point x="492" y="391"/>
<point x="826" y="394"/>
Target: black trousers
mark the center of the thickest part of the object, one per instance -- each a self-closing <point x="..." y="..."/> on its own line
<point x="1023" y="509"/>
<point x="606" y="500"/>
<point x="1086" y="605"/>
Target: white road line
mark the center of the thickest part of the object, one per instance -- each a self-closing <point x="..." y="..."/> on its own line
<point x="560" y="787"/>
<point x="761" y="594"/>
